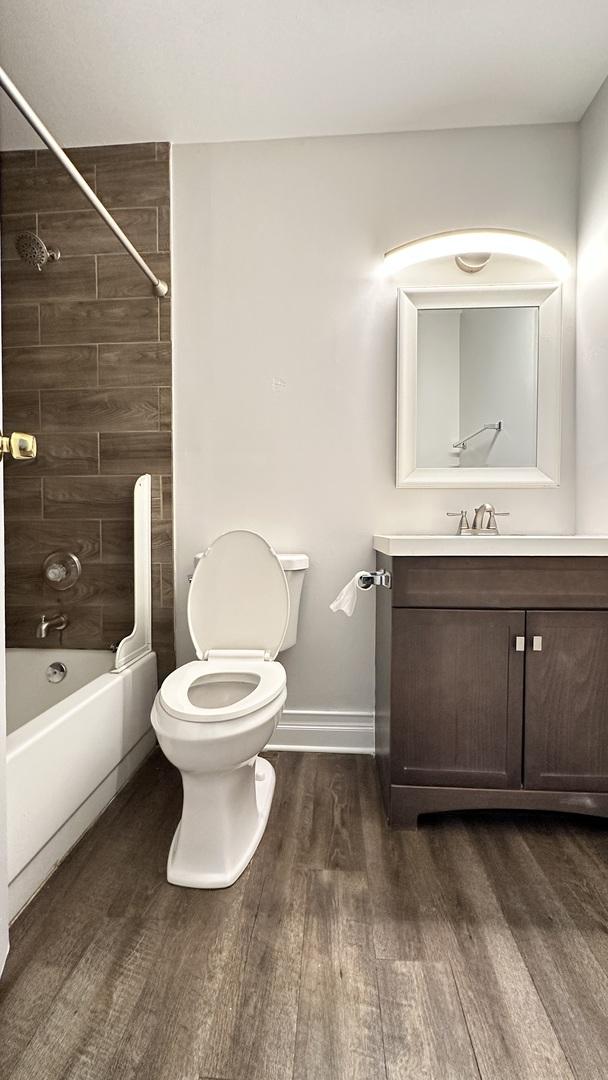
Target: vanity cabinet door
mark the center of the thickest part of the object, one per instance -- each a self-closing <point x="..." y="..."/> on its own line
<point x="566" y="725"/>
<point x="457" y="697"/>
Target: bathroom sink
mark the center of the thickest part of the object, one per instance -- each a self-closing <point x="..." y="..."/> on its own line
<point x="491" y="545"/>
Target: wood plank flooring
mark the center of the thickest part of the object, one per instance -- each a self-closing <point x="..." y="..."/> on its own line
<point x="474" y="949"/>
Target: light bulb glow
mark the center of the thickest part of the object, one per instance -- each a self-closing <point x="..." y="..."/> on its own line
<point x="465" y="241"/>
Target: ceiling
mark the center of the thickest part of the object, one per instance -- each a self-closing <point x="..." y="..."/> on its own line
<point x="216" y="70"/>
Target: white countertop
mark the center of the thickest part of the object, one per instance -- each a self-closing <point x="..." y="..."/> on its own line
<point x="491" y="545"/>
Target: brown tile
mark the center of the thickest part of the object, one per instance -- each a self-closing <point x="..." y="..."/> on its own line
<point x="67" y="279"/>
<point x="165" y="319"/>
<point x="115" y="584"/>
<point x="164" y="228"/>
<point x="85" y="627"/>
<point x="97" y="584"/>
<point x="23" y="498"/>
<point x="20" y="324"/>
<point x="17" y="159"/>
<point x="49" y="367"/>
<point x="119" y="276"/>
<point x="20" y="627"/>
<point x="135" y="452"/>
<point x="156" y="585"/>
<point x="98" y="320"/>
<point x="22" y="410"/>
<point x="46" y="188"/>
<point x="24" y="584"/>
<point x="98" y="155"/>
<point x="117" y="622"/>
<point x="167" y="498"/>
<point x="84" y="630"/>
<point x="120" y="409"/>
<point x="156" y="501"/>
<point x="162" y="628"/>
<point x="10" y="227"/>
<point x="63" y="455"/>
<point x="143" y="364"/>
<point x="65" y="370"/>
<point x="165" y="663"/>
<point x="162" y="542"/>
<point x="108" y="497"/>
<point x="166" y="586"/>
<point x="139" y="183"/>
<point x="164" y="402"/>
<point x="82" y="232"/>
<point x="117" y="541"/>
<point x="162" y="586"/>
<point x="32" y="541"/>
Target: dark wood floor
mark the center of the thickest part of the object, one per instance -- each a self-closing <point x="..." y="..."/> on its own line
<point x="477" y="947"/>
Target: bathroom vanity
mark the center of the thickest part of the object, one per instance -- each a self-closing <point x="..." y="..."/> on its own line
<point x="492" y="674"/>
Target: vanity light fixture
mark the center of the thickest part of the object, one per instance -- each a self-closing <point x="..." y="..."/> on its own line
<point x="472" y="263"/>
<point x="461" y="243"/>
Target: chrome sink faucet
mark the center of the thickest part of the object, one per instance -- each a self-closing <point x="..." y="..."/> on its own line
<point x="478" y="528"/>
<point x="56" y="622"/>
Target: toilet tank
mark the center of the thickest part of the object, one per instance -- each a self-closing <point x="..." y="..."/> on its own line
<point x="295" y="566"/>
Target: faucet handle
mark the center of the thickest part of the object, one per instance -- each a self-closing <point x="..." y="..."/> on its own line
<point x="492" y="526"/>
<point x="462" y="514"/>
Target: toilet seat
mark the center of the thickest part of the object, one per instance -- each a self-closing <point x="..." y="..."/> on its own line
<point x="238" y="610"/>
<point x="174" y="691"/>
<point x="239" y="597"/>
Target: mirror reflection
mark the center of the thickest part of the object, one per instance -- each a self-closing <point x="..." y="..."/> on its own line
<point x="477" y="387"/>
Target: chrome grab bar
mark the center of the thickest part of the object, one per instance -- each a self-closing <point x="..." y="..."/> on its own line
<point x="462" y="445"/>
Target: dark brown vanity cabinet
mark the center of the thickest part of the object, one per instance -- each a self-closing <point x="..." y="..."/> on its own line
<point x="566" y="702"/>
<point x="492" y="684"/>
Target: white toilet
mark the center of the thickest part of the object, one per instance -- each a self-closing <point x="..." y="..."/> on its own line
<point x="214" y="715"/>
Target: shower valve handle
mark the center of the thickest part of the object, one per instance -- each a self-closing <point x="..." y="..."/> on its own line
<point x="19" y="445"/>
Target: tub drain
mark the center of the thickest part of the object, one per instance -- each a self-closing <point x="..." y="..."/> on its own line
<point x="56" y="672"/>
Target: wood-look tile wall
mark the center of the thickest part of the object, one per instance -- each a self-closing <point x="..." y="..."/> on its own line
<point x="87" y="368"/>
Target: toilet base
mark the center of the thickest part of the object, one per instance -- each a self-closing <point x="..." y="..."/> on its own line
<point x="209" y="849"/>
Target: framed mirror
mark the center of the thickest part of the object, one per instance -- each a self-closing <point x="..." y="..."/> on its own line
<point x="479" y="386"/>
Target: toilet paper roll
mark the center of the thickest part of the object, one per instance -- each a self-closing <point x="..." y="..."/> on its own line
<point x="346" y="600"/>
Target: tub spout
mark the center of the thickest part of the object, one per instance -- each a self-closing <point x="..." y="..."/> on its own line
<point x="56" y="622"/>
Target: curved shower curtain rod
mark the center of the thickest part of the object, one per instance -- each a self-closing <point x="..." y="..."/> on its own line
<point x="160" y="287"/>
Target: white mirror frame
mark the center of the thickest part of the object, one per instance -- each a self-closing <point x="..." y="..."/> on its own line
<point x="547" y="297"/>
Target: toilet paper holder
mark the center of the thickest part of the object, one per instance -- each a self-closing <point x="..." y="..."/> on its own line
<point x="375" y="577"/>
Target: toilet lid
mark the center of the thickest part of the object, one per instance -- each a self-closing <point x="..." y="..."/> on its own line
<point x="239" y="596"/>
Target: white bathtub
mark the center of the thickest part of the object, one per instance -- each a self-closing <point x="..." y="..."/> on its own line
<point x="71" y="746"/>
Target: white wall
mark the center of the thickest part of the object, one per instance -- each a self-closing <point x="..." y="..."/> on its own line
<point x="285" y="345"/>
<point x="592" y="321"/>
<point x="498" y="381"/>
<point x="438" y="388"/>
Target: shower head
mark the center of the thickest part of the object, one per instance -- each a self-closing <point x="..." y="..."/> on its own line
<point x="34" y="251"/>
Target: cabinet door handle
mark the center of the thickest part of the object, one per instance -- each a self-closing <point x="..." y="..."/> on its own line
<point x="520" y="643"/>
<point x="537" y="643"/>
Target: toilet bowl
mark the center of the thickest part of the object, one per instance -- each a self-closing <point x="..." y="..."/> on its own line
<point x="214" y="715"/>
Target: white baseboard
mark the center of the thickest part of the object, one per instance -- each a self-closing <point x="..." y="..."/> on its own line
<point x="333" y="732"/>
